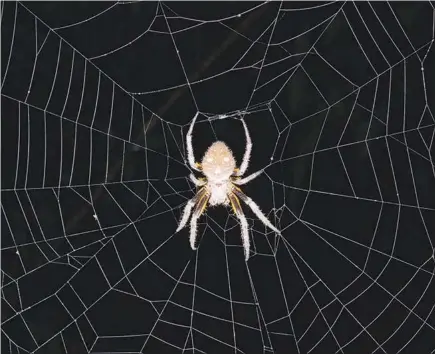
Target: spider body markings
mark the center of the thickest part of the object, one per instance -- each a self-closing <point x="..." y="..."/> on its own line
<point x="220" y="186"/>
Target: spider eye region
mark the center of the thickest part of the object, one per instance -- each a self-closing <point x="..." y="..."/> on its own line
<point x="218" y="162"/>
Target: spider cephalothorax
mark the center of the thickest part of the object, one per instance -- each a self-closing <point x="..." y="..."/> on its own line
<point x="220" y="185"/>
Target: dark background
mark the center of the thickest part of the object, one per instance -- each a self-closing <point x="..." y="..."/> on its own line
<point x="96" y="102"/>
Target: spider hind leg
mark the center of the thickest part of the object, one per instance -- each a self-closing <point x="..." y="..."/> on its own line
<point x="190" y="154"/>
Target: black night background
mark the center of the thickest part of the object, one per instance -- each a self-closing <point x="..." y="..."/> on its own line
<point x="97" y="98"/>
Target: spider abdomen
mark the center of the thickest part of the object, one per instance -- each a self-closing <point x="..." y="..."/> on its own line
<point x="218" y="163"/>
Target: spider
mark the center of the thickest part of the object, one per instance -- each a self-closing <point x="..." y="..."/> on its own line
<point x="220" y="186"/>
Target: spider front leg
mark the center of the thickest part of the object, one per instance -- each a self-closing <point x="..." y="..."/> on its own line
<point x="188" y="208"/>
<point x="190" y="155"/>
<point x="199" y="202"/>
<point x="256" y="209"/>
<point x="186" y="213"/>
<point x="199" y="209"/>
<point x="237" y="208"/>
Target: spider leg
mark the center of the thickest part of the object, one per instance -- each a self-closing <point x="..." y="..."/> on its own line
<point x="186" y="213"/>
<point x="237" y="208"/>
<point x="188" y="209"/>
<point x="198" y="182"/>
<point x="247" y="179"/>
<point x="199" y="209"/>
<point x="190" y="155"/>
<point x="247" y="155"/>
<point x="255" y="208"/>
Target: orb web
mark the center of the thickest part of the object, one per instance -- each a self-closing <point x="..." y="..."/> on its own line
<point x="96" y="101"/>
